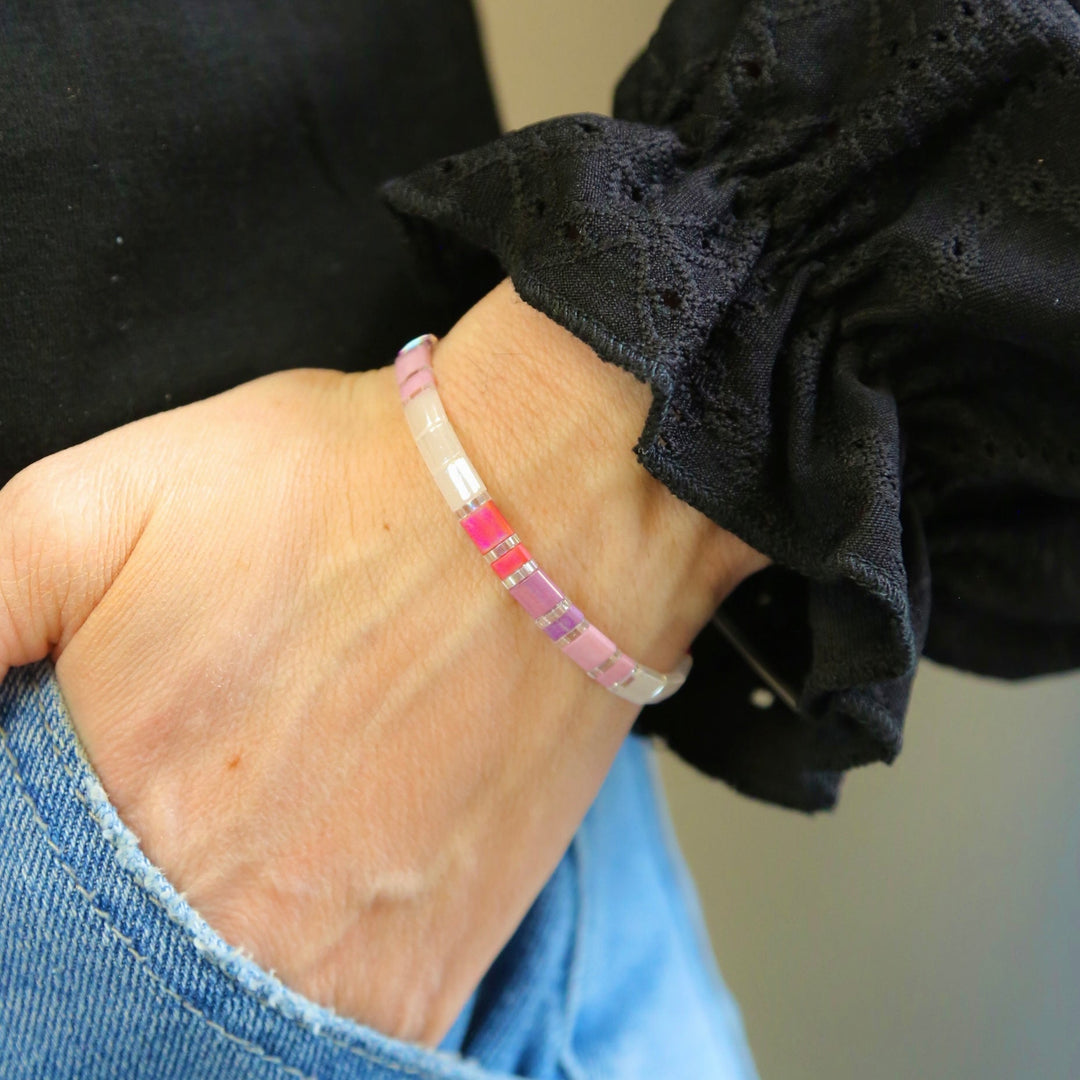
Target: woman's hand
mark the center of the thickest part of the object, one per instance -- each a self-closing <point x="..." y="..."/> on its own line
<point x="306" y="693"/>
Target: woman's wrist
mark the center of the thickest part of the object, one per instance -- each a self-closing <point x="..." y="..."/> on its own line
<point x="551" y="427"/>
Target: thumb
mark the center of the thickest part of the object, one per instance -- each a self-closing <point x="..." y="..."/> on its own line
<point x="67" y="525"/>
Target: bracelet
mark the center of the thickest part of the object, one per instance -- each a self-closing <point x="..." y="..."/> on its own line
<point x="501" y="547"/>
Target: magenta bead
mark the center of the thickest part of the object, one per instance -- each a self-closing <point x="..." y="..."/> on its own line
<point x="513" y="560"/>
<point x="486" y="526"/>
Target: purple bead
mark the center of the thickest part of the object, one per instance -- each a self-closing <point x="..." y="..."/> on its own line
<point x="564" y="623"/>
<point x="537" y="593"/>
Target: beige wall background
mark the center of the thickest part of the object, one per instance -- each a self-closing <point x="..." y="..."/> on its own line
<point x="930" y="928"/>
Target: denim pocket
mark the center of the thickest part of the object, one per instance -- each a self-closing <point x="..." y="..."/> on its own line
<point x="647" y="998"/>
<point x="106" y="971"/>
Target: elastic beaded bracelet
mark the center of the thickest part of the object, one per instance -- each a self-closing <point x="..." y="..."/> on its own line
<point x="501" y="547"/>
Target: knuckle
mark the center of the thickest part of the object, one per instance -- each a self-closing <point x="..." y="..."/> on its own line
<point x="45" y="514"/>
<point x="23" y="505"/>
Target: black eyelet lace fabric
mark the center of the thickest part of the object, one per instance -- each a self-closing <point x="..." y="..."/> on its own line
<point x="841" y="242"/>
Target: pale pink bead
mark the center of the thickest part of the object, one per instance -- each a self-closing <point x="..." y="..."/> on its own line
<point x="410" y="366"/>
<point x="619" y="670"/>
<point x="590" y="649"/>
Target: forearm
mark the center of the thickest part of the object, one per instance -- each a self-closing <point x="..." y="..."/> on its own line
<point x="551" y="427"/>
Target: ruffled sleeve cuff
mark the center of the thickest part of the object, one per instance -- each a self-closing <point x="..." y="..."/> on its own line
<point x="843" y="248"/>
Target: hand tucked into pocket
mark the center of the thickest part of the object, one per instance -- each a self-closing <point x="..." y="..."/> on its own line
<point x="303" y="689"/>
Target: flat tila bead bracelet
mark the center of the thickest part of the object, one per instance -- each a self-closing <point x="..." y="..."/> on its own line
<point x="466" y="495"/>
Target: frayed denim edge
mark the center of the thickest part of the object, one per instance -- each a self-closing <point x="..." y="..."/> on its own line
<point x="253" y="980"/>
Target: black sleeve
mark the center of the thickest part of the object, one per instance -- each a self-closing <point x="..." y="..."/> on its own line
<point x="841" y="242"/>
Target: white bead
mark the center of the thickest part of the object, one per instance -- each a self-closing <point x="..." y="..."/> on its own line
<point x="424" y="410"/>
<point x="642" y="687"/>
<point x="458" y="482"/>
<point x="648" y="686"/>
<point x="441" y="450"/>
<point x="439" y="445"/>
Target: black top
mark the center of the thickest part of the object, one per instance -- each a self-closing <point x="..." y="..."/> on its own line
<point x="841" y="242"/>
<point x="189" y="196"/>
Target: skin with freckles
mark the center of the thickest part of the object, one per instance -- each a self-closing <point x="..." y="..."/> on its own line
<point x="303" y="688"/>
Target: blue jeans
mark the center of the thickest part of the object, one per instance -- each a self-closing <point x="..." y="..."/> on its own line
<point x="105" y="971"/>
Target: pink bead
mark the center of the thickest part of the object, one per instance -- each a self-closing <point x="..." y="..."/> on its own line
<point x="413" y="358"/>
<point x="619" y="670"/>
<point x="416" y="382"/>
<point x="589" y="650"/>
<point x="486" y="526"/>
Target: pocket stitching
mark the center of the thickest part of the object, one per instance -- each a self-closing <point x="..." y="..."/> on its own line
<point x="127" y="943"/>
